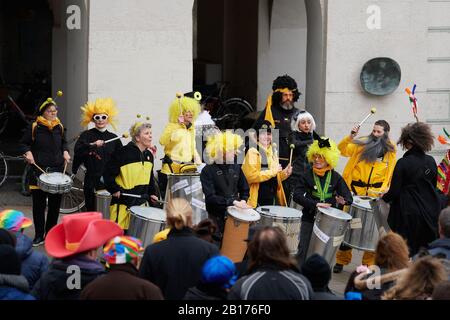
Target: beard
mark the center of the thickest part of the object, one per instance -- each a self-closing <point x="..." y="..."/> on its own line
<point x="374" y="147"/>
<point x="288" y="105"/>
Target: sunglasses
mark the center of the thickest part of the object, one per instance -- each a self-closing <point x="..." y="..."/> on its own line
<point x="99" y="117"/>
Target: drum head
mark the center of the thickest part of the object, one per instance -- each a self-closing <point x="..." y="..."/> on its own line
<point x="336" y="213"/>
<point x="362" y="202"/>
<point x="55" y="178"/>
<point x="149" y="213"/>
<point x="247" y="215"/>
<point x="279" y="212"/>
<point x="103" y="193"/>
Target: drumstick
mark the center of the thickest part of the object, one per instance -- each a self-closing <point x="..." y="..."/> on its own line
<point x="292" y="146"/>
<point x="372" y="111"/>
<point x="143" y="196"/>
<point x="125" y="135"/>
<point x="39" y="168"/>
<point x="65" y="167"/>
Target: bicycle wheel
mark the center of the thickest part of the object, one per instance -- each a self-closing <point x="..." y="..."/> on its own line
<point x="3" y="169"/>
<point x="73" y="201"/>
<point x="4" y="116"/>
<point x="236" y="109"/>
<point x="25" y="185"/>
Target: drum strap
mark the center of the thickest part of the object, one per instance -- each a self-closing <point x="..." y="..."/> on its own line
<point x="322" y="194"/>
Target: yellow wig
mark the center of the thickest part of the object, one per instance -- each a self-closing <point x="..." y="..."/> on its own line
<point x="331" y="154"/>
<point x="100" y="106"/>
<point x="222" y="143"/>
<point x="183" y="104"/>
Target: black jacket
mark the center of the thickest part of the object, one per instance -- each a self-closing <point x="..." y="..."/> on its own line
<point x="305" y="185"/>
<point x="175" y="264"/>
<point x="282" y="119"/>
<point x="440" y="247"/>
<point x="206" y="292"/>
<point x="136" y="174"/>
<point x="301" y="141"/>
<point x="93" y="158"/>
<point x="222" y="184"/>
<point x="415" y="203"/>
<point x="272" y="283"/>
<point x="53" y="284"/>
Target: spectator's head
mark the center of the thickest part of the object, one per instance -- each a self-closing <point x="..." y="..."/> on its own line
<point x="419" y="281"/>
<point x="444" y="223"/>
<point x="14" y="220"/>
<point x="9" y="260"/>
<point x="442" y="291"/>
<point x="318" y="271"/>
<point x="392" y="252"/>
<point x="179" y="213"/>
<point x="304" y="122"/>
<point x="123" y="249"/>
<point x="417" y="135"/>
<point x="269" y="247"/>
<point x="81" y="233"/>
<point x="219" y="271"/>
<point x="7" y="237"/>
<point x="206" y="230"/>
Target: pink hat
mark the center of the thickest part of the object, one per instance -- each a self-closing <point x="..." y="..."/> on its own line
<point x="80" y="232"/>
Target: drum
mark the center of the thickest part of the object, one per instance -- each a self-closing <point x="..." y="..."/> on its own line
<point x="55" y="182"/>
<point x="145" y="223"/>
<point x="362" y="233"/>
<point x="380" y="213"/>
<point x="236" y="231"/>
<point x="102" y="202"/>
<point x="328" y="232"/>
<point x="288" y="219"/>
<point x="187" y="186"/>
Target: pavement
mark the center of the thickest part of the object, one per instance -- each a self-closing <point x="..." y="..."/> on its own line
<point x="11" y="198"/>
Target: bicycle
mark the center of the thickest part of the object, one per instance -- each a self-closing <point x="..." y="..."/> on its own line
<point x="229" y="113"/>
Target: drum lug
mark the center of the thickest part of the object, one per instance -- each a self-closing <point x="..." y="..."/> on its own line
<point x="236" y="222"/>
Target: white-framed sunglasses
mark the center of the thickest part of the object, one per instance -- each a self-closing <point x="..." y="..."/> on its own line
<point x="99" y="117"/>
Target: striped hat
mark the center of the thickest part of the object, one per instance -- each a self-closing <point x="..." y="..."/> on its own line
<point x="123" y="249"/>
<point x="14" y="220"/>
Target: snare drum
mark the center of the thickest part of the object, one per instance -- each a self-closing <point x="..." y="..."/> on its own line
<point x="145" y="223"/>
<point x="236" y="231"/>
<point x="102" y="202"/>
<point x="362" y="233"/>
<point x="328" y="232"/>
<point x="288" y="219"/>
<point x="55" y="182"/>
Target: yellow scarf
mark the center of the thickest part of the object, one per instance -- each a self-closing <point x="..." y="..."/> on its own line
<point x="49" y="124"/>
<point x="321" y="172"/>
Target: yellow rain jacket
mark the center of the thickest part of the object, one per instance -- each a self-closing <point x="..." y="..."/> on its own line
<point x="179" y="145"/>
<point x="369" y="173"/>
<point x="254" y="175"/>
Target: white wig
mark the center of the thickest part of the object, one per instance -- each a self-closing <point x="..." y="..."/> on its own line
<point x="299" y="117"/>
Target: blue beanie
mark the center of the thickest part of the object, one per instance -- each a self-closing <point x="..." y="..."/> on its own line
<point x="219" y="270"/>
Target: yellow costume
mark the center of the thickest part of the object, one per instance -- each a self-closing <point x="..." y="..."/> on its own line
<point x="363" y="178"/>
<point x="254" y="175"/>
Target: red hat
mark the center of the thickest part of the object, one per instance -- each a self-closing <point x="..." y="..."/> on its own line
<point x="80" y="232"/>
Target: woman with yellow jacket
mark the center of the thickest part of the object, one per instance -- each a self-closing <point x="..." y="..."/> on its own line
<point x="263" y="171"/>
<point x="178" y="138"/>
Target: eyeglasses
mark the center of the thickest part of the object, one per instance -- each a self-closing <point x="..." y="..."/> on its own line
<point x="51" y="110"/>
<point x="99" y="117"/>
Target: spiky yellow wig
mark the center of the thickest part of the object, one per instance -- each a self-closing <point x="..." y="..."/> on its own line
<point x="223" y="142"/>
<point x="331" y="154"/>
<point x="183" y="104"/>
<point x="100" y="106"/>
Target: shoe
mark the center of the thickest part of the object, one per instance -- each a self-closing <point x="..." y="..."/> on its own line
<point x="38" y="241"/>
<point x="338" y="268"/>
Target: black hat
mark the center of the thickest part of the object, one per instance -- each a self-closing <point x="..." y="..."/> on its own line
<point x="9" y="260"/>
<point x="317" y="270"/>
<point x="265" y="125"/>
<point x="7" y="237"/>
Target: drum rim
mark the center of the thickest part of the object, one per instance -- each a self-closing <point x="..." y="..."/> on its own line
<point x="193" y="174"/>
<point x="342" y="213"/>
<point x="240" y="219"/>
<point x="104" y="193"/>
<point x="263" y="213"/>
<point x="358" y="204"/>
<point x="146" y="218"/>
<point x="69" y="179"/>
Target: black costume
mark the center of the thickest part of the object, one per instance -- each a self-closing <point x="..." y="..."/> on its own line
<point x="222" y="184"/>
<point x="94" y="159"/>
<point x="415" y="204"/>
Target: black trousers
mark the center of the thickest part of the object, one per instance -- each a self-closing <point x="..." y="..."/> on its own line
<point x="41" y="226"/>
<point x="89" y="199"/>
